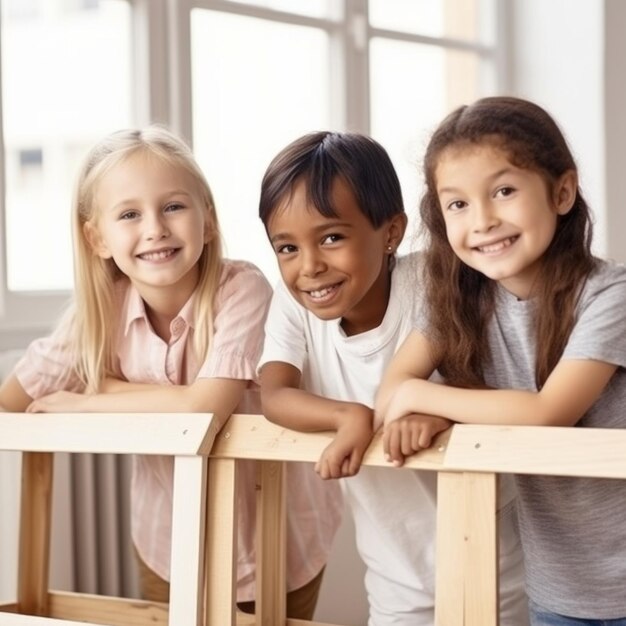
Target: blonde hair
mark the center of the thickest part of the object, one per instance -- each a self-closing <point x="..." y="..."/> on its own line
<point x="95" y="278"/>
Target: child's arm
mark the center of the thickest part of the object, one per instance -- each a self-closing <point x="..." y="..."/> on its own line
<point x="219" y="396"/>
<point x="412" y="432"/>
<point x="567" y="395"/>
<point x="286" y="404"/>
<point x="13" y="398"/>
<point x="418" y="363"/>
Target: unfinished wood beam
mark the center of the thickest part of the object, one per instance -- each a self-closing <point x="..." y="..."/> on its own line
<point x="34" y="539"/>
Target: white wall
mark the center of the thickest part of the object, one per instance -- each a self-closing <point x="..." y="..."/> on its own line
<point x="615" y="126"/>
<point x="557" y="60"/>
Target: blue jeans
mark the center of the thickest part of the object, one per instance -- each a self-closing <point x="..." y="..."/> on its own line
<point x="543" y="617"/>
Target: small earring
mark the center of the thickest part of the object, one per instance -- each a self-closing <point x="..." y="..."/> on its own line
<point x="389" y="249"/>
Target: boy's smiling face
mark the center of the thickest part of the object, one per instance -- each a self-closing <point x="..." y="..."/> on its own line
<point x="337" y="267"/>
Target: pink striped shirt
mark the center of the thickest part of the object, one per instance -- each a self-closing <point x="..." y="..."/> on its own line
<point x="314" y="507"/>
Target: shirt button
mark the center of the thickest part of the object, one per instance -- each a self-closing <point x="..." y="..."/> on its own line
<point x="177" y="326"/>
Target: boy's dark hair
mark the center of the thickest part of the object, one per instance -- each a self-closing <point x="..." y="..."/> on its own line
<point x="320" y="157"/>
<point x="461" y="299"/>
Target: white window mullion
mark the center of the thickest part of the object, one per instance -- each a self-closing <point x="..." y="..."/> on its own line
<point x="356" y="63"/>
<point x="151" y="62"/>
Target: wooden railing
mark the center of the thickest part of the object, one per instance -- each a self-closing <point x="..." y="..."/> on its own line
<point x="467" y="459"/>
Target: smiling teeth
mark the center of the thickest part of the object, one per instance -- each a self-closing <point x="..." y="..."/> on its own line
<point x="157" y="256"/>
<point x="496" y="247"/>
<point x="321" y="292"/>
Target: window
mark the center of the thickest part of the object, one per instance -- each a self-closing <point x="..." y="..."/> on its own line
<point x="239" y="78"/>
<point x="65" y="82"/>
<point x="264" y="72"/>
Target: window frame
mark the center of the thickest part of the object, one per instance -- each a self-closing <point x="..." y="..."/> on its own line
<point x="161" y="70"/>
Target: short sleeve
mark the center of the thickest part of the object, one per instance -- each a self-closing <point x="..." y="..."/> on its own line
<point x="600" y="330"/>
<point x="241" y="310"/>
<point x="47" y="365"/>
<point x="285" y="338"/>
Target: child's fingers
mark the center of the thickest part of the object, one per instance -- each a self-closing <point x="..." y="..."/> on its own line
<point x="425" y="437"/>
<point x="346" y="467"/>
<point x="409" y="440"/>
<point x="354" y="462"/>
<point x="386" y="436"/>
<point x="395" y="447"/>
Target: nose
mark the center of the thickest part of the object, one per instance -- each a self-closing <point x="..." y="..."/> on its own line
<point x="312" y="263"/>
<point x="156" y="226"/>
<point x="484" y="216"/>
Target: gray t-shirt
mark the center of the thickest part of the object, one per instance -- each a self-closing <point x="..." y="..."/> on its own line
<point x="573" y="529"/>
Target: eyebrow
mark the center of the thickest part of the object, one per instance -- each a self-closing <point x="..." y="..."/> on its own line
<point x="494" y="176"/>
<point x="318" y="229"/>
<point x="170" y="194"/>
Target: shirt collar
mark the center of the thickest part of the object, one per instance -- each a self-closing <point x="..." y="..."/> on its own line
<point x="136" y="310"/>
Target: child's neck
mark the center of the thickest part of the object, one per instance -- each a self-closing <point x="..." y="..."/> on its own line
<point x="161" y="312"/>
<point x="371" y="311"/>
<point x="160" y="324"/>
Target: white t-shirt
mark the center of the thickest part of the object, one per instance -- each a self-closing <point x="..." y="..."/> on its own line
<point x="394" y="510"/>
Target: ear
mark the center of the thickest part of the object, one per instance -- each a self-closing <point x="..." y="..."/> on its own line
<point x="565" y="192"/>
<point x="209" y="227"/>
<point x="95" y="241"/>
<point x="395" y="228"/>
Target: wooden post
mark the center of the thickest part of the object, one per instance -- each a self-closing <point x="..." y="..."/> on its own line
<point x="467" y="550"/>
<point x="188" y="534"/>
<point x="221" y="544"/>
<point x="449" y="575"/>
<point x="34" y="540"/>
<point x="481" y="550"/>
<point x="270" y="545"/>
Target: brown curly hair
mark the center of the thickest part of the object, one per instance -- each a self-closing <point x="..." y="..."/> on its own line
<point x="461" y="299"/>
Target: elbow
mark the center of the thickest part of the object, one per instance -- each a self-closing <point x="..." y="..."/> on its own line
<point x="554" y="418"/>
<point x="267" y="406"/>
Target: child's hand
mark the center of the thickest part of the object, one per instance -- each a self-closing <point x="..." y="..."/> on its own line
<point x="410" y="434"/>
<point x="343" y="456"/>
<point x="57" y="402"/>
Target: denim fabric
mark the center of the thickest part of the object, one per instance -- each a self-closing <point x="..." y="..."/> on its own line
<point x="543" y="617"/>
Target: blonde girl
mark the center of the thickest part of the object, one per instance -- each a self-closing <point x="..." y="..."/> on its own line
<point x="160" y="322"/>
<point x="526" y="326"/>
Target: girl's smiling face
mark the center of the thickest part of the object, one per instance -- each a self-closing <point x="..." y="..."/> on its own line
<point x="500" y="219"/>
<point x="337" y="267"/>
<point x="152" y="222"/>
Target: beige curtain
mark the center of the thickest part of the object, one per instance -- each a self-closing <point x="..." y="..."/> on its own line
<point x="91" y="545"/>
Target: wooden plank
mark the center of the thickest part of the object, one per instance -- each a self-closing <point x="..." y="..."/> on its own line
<point x="555" y="451"/>
<point x="481" y="550"/>
<point x="34" y="538"/>
<point x="221" y="544"/>
<point x="112" y="611"/>
<point x="449" y="573"/>
<point x="188" y="535"/>
<point x="271" y="551"/>
<point x="244" y="619"/>
<point x="15" y="619"/>
<point x="9" y="607"/>
<point x="100" y="433"/>
<point x="254" y="437"/>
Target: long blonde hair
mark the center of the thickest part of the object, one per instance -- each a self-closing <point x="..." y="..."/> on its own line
<point x="95" y="278"/>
